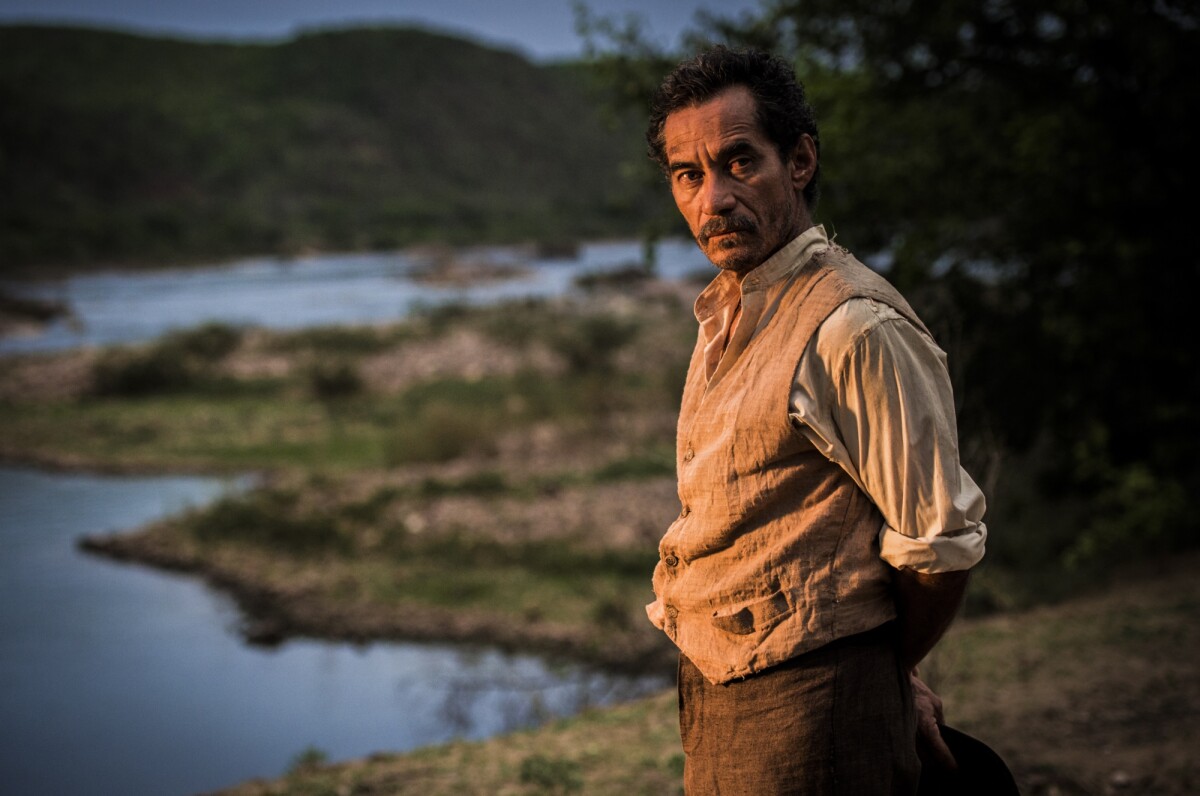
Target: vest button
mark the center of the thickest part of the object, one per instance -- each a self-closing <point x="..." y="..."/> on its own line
<point x="686" y="510"/>
<point x="671" y="560"/>
<point x="688" y="455"/>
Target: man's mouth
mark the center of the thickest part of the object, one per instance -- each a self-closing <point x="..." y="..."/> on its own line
<point x="724" y="228"/>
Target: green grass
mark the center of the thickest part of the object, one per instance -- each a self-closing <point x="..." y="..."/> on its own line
<point x="582" y="590"/>
<point x="387" y="563"/>
<point x="268" y="518"/>
<point x="270" y="428"/>
<point x="372" y="552"/>
<point x="178" y="403"/>
<point x="180" y="361"/>
<point x="191" y="431"/>
<point x="658" y="461"/>
<point x="345" y="340"/>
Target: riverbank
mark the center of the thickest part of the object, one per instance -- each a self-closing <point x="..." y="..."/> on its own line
<point x="530" y="583"/>
<point x="503" y="474"/>
<point x="1096" y="696"/>
<point x="448" y="478"/>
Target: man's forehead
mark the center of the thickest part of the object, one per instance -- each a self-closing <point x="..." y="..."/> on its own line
<point x="734" y="100"/>
<point x="722" y="120"/>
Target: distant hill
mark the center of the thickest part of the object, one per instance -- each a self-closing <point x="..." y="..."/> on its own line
<point x="120" y="147"/>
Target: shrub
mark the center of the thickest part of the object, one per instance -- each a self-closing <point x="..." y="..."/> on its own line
<point x="484" y="482"/>
<point x="610" y="613"/>
<point x="309" y="758"/>
<point x="589" y="344"/>
<point x="330" y="380"/>
<point x="440" y="318"/>
<point x="439" y="433"/>
<point x="619" y="278"/>
<point x="180" y="360"/>
<point x="638" y="466"/>
<point x="210" y="342"/>
<point x="337" y="339"/>
<point x="371" y="508"/>
<point x="519" y="323"/>
<point x="138" y="373"/>
<point x="1137" y="513"/>
<point x="551" y="774"/>
<point x="269" y="518"/>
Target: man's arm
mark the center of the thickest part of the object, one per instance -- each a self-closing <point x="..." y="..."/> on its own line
<point x="892" y="426"/>
<point x="926" y="605"/>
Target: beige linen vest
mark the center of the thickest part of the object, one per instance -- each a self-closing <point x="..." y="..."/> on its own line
<point x="775" y="549"/>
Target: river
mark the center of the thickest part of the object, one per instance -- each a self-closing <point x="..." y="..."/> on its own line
<point x="276" y="293"/>
<point x="118" y="679"/>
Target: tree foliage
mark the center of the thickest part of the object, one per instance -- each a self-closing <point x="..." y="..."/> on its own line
<point x="1025" y="170"/>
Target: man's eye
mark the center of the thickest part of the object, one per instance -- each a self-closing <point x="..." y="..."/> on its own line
<point x="739" y="165"/>
<point x="688" y="177"/>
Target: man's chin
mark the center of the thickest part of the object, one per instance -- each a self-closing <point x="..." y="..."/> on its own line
<point x="739" y="259"/>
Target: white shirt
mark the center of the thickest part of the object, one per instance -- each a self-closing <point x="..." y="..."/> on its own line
<point x="872" y="393"/>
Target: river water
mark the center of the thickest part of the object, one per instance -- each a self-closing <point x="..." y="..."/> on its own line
<point x="119" y="679"/>
<point x="294" y="293"/>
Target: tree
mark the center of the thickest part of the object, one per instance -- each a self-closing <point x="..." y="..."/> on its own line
<point x="1025" y="168"/>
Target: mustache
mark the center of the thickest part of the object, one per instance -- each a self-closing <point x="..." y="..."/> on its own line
<point x="723" y="225"/>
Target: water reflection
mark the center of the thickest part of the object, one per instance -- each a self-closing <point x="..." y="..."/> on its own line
<point x="521" y="696"/>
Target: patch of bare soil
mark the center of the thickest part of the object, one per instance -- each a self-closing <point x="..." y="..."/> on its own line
<point x="620" y="515"/>
<point x="461" y="353"/>
<point x="57" y="377"/>
<point x="1097" y="696"/>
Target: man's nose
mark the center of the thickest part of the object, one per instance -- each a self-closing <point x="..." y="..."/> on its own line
<point x="717" y="198"/>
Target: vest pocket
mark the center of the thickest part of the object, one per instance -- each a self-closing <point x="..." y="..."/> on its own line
<point x="752" y="617"/>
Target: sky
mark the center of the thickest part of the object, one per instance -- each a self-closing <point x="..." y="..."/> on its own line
<point x="541" y="29"/>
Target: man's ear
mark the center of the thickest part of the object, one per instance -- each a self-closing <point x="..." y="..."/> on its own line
<point x="803" y="163"/>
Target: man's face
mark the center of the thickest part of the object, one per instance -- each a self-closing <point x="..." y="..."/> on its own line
<point x="739" y="198"/>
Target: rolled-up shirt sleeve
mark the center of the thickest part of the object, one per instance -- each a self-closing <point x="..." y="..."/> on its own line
<point x="872" y="392"/>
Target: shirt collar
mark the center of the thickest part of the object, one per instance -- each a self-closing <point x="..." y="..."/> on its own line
<point x="725" y="287"/>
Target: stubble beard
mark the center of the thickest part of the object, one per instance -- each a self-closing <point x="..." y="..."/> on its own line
<point x="730" y="253"/>
<point x="748" y="248"/>
<point x="728" y="256"/>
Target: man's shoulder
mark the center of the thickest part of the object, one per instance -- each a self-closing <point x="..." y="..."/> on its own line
<point x="857" y="276"/>
<point x="849" y="322"/>
<point x="863" y="295"/>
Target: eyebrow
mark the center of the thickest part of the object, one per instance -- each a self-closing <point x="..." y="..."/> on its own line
<point x="738" y="146"/>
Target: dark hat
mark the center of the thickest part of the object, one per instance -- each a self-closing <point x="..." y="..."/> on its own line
<point x="980" y="772"/>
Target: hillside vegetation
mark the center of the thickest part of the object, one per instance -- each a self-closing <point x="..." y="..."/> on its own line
<point x="118" y="147"/>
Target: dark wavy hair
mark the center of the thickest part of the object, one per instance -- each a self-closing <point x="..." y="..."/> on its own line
<point x="783" y="110"/>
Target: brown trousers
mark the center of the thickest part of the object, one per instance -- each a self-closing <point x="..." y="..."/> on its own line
<point x="835" y="721"/>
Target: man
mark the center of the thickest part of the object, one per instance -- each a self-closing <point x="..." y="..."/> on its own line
<point x="826" y="526"/>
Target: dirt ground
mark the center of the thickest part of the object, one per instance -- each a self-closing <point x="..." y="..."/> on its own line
<point x="1099" y="695"/>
